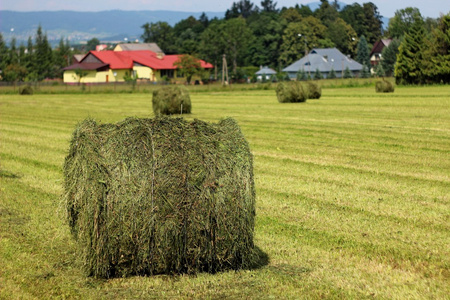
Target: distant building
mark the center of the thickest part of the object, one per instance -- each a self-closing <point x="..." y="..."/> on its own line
<point x="324" y="60"/>
<point x="112" y="66"/>
<point x="377" y="49"/>
<point x="265" y="72"/>
<point x="138" y="46"/>
<point x="77" y="57"/>
<point x="101" y="47"/>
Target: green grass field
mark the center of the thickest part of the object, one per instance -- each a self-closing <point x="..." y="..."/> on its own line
<point x="352" y="195"/>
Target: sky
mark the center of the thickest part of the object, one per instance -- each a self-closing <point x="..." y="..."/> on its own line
<point x="387" y="8"/>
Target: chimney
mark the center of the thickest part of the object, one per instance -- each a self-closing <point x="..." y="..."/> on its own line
<point x="160" y="55"/>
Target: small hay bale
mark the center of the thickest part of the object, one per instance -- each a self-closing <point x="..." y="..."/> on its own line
<point x="160" y="196"/>
<point x="288" y="92"/>
<point x="170" y="100"/>
<point x="314" y="90"/>
<point x="27" y="90"/>
<point x="384" y="86"/>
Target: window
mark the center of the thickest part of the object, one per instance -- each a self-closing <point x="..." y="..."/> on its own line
<point x="168" y="73"/>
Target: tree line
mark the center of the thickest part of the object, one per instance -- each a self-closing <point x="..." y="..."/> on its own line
<point x="251" y="36"/>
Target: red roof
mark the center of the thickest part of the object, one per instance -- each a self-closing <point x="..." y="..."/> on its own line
<point x="113" y="58"/>
<point x="126" y="59"/>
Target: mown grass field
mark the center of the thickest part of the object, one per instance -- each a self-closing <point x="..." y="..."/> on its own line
<point x="352" y="196"/>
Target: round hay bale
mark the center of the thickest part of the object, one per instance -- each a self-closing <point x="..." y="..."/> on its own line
<point x="152" y="196"/>
<point x="27" y="90"/>
<point x="314" y="90"/>
<point x="288" y="92"/>
<point x="384" y="86"/>
<point x="170" y="100"/>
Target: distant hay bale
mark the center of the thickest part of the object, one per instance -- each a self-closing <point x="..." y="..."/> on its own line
<point x="288" y="92"/>
<point x="170" y="100"/>
<point x="384" y="86"/>
<point x="314" y="90"/>
<point x="27" y="90"/>
<point x="152" y="196"/>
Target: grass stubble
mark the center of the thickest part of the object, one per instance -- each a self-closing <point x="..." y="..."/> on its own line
<point x="352" y="195"/>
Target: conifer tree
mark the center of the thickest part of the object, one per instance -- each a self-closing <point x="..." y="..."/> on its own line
<point x="437" y="60"/>
<point x="347" y="73"/>
<point x="301" y="75"/>
<point x="379" y="71"/>
<point x="410" y="59"/>
<point x="61" y="56"/>
<point x="365" y="72"/>
<point x="30" y="61"/>
<point x="332" y="74"/>
<point x="389" y="56"/>
<point x="43" y="56"/>
<point x="362" y="52"/>
<point x="13" y="54"/>
<point x="3" y="53"/>
<point x="318" y="75"/>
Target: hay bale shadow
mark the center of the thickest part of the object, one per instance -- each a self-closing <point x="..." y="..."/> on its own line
<point x="261" y="259"/>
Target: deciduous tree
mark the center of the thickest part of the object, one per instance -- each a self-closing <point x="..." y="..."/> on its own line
<point x="402" y="21"/>
<point x="92" y="44"/>
<point x="160" y="33"/>
<point x="236" y="36"/>
<point x="269" y="6"/>
<point x="242" y="8"/>
<point x="211" y="46"/>
<point x="293" y="47"/>
<point x="343" y="36"/>
<point x="188" y="65"/>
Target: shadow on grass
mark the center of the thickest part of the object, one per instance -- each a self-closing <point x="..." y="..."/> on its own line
<point x="261" y="260"/>
<point x="7" y="174"/>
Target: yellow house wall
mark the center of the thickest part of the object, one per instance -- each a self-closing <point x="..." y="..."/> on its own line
<point x="96" y="77"/>
<point x="92" y="76"/>
<point x="70" y="77"/>
<point x="144" y="73"/>
<point x="119" y="75"/>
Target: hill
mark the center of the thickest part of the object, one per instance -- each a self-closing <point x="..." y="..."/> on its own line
<point x="82" y="26"/>
<point x="107" y="26"/>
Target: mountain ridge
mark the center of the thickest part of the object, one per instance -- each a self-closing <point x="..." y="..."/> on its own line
<point x="82" y="26"/>
<point x="108" y="26"/>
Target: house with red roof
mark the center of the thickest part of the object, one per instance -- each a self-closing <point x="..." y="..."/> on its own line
<point x="114" y="66"/>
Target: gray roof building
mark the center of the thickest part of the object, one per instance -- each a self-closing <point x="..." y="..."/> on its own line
<point x="138" y="46"/>
<point x="266" y="70"/>
<point x="324" y="60"/>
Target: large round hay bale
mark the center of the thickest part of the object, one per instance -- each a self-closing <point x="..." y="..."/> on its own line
<point x="384" y="86"/>
<point x="288" y="92"/>
<point x="152" y="196"/>
<point x="170" y="100"/>
<point x="314" y="90"/>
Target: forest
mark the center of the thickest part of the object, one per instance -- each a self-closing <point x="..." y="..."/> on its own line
<point x="251" y="36"/>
